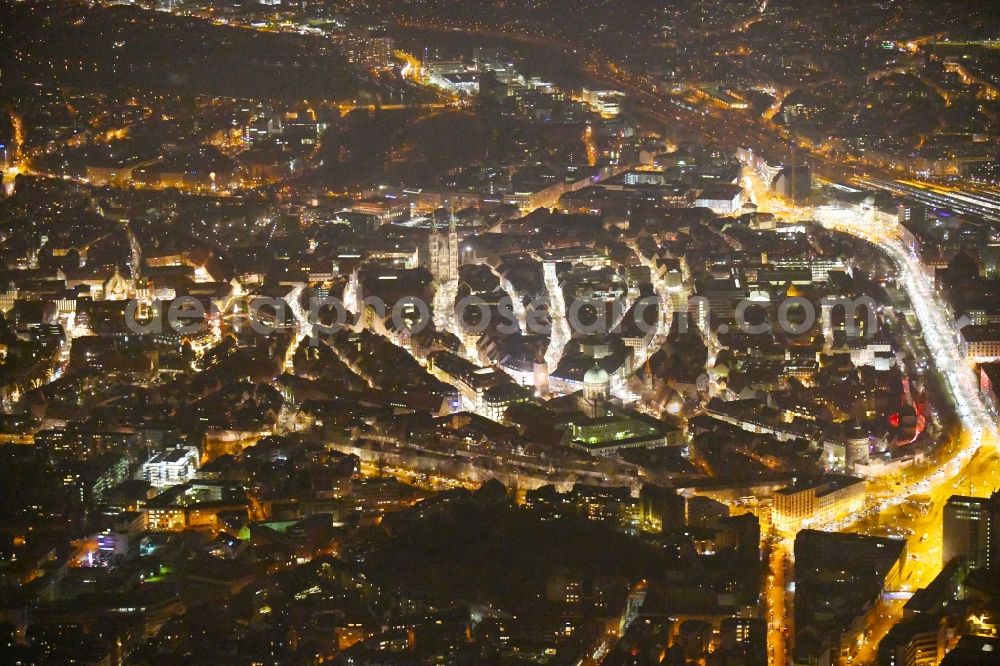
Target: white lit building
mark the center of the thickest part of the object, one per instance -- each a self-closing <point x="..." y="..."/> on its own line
<point x="171" y="467"/>
<point x="605" y="102"/>
<point x="722" y="198"/>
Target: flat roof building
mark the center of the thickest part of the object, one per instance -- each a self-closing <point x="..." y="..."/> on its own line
<point x="969" y="530"/>
<point x="171" y="467"/>
<point x="817" y="501"/>
<point x="839" y="584"/>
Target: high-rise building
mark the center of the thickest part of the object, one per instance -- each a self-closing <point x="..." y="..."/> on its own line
<point x="970" y="526"/>
<point x="912" y="214"/>
<point x="794" y="181"/>
<point x="662" y="506"/>
<point x="368" y="48"/>
<point x="744" y="636"/>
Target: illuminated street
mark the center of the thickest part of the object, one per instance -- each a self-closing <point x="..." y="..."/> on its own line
<point x="777" y="601"/>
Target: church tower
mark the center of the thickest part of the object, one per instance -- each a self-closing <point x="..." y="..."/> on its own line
<point x="442" y="252"/>
<point x="434" y="250"/>
<point x="452" y="249"/>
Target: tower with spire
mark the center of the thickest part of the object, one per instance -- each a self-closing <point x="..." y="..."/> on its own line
<point x="442" y="251"/>
<point x="434" y="249"/>
<point x="452" y="248"/>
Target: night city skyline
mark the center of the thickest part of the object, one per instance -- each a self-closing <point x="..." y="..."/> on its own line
<point x="551" y="332"/>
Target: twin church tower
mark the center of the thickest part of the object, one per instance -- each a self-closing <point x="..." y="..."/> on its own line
<point x="442" y="252"/>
